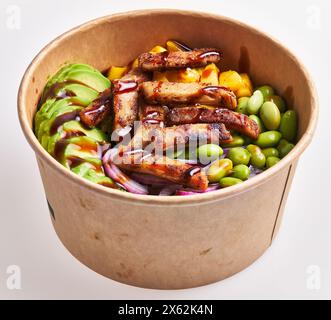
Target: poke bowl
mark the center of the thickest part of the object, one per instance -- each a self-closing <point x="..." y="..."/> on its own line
<point x="187" y="216"/>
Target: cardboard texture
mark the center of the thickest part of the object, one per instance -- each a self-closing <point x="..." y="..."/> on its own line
<point x="169" y="242"/>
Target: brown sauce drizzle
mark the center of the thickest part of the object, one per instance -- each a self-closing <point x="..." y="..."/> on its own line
<point x="125" y="86"/>
<point x="181" y="45"/>
<point x="60" y="120"/>
<point x="191" y="172"/>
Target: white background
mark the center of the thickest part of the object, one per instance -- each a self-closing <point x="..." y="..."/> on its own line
<point x="26" y="235"/>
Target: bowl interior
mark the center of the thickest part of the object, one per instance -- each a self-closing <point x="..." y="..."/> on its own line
<point x="118" y="40"/>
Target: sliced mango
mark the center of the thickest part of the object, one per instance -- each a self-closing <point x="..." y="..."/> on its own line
<point x="231" y="79"/>
<point x="116" y="72"/>
<point x="209" y="74"/>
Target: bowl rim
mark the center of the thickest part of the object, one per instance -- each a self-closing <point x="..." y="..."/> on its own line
<point x="152" y="199"/>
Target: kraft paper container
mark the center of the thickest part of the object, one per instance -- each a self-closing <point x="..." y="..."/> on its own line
<point x="169" y="242"/>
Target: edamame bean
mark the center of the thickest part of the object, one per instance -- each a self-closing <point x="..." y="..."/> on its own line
<point x="255" y="102"/>
<point x="229" y="181"/>
<point x="237" y="141"/>
<point x="270" y="152"/>
<point x="242" y="105"/>
<point x="258" y="121"/>
<point x="278" y="101"/>
<point x="208" y="153"/>
<point x="219" y="169"/>
<point x="284" y="147"/>
<point x="258" y="159"/>
<point x="268" y="139"/>
<point x="266" y="91"/>
<point x="270" y="115"/>
<point x="271" y="161"/>
<point x="289" y="125"/>
<point x="241" y="172"/>
<point x="239" y="155"/>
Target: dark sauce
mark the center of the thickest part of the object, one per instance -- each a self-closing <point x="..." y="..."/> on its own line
<point x="181" y="45"/>
<point x="191" y="172"/>
<point x="60" y="120"/>
<point x="74" y="161"/>
<point x="125" y="86"/>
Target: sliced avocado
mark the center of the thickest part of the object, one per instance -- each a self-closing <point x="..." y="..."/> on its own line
<point x="94" y="80"/>
<point x="44" y="129"/>
<point x="48" y="109"/>
<point x="82" y="169"/>
<point x="94" y="133"/>
<point x="96" y="178"/>
<point x="39" y="115"/>
<point x="75" y="126"/>
<point x="81" y="91"/>
<point x="60" y="76"/>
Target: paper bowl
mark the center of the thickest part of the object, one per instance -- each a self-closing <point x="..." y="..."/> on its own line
<point x="158" y="241"/>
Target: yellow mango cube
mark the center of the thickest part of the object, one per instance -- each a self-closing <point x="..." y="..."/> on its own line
<point x="247" y="88"/>
<point x="188" y="75"/>
<point x="247" y="81"/>
<point x="117" y="72"/>
<point x="243" y="92"/>
<point x="158" y="49"/>
<point x="172" y="46"/>
<point x="231" y="79"/>
<point x="209" y="75"/>
<point x="172" y="75"/>
<point x="134" y="63"/>
<point x="160" y="76"/>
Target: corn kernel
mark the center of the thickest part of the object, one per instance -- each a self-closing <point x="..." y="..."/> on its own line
<point x="230" y="79"/>
<point x="117" y="72"/>
<point x="210" y="75"/>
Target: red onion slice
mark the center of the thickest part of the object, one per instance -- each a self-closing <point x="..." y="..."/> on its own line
<point x="117" y="175"/>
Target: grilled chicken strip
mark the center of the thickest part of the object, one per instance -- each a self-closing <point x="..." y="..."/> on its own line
<point x="232" y="120"/>
<point x="170" y="169"/>
<point x="156" y="139"/>
<point x="178" y="59"/>
<point x="126" y="98"/>
<point x="170" y="93"/>
<point x="153" y="114"/>
<point x="94" y="113"/>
